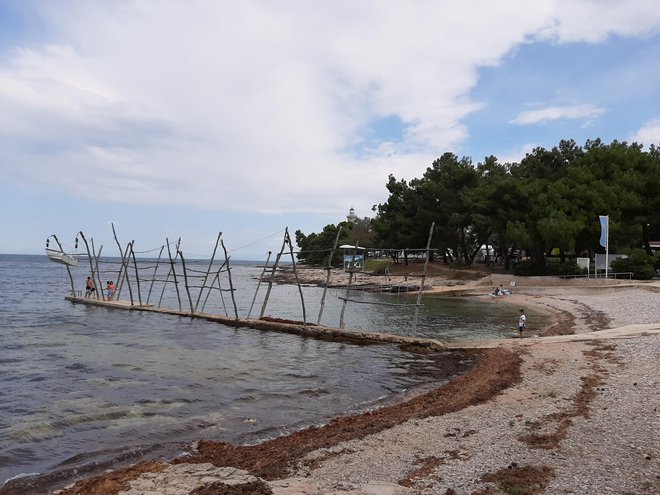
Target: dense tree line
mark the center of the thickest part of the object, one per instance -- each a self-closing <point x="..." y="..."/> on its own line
<point x="315" y="248"/>
<point x="551" y="199"/>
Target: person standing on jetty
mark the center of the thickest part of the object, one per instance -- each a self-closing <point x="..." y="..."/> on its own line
<point x="110" y="290"/>
<point x="522" y="321"/>
<point x="90" y="287"/>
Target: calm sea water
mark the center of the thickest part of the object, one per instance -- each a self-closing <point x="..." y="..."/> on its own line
<point x="84" y="387"/>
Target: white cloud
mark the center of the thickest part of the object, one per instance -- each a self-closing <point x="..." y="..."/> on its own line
<point x="585" y="111"/>
<point x="649" y="133"/>
<point x="593" y="21"/>
<point x="253" y="106"/>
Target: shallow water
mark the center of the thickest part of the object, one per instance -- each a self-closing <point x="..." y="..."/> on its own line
<point x="86" y="385"/>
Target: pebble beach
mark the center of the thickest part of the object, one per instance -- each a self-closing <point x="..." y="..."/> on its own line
<point x="579" y="414"/>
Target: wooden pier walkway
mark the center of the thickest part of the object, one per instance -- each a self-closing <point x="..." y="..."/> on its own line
<point x="310" y="330"/>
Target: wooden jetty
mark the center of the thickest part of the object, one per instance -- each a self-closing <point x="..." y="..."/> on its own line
<point x="276" y="325"/>
<point x="144" y="278"/>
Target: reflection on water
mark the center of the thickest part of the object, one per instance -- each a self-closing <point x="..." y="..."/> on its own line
<point x="82" y="384"/>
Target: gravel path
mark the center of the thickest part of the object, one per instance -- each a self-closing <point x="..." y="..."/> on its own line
<point x="593" y="406"/>
<point x="612" y="446"/>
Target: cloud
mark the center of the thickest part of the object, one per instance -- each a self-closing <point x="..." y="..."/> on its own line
<point x="649" y="133"/>
<point x="262" y="106"/>
<point x="592" y="21"/>
<point x="585" y="111"/>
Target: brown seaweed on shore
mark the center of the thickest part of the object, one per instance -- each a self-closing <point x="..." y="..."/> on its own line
<point x="497" y="369"/>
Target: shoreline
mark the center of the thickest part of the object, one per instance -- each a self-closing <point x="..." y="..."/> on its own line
<point x="546" y="398"/>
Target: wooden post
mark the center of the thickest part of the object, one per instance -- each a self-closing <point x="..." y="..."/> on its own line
<point x="231" y="285"/>
<point x="217" y="277"/>
<point x="222" y="296"/>
<point x="162" y="292"/>
<point x="173" y="270"/>
<point x="68" y="270"/>
<point x="99" y="287"/>
<point x="120" y="281"/>
<point x="348" y="286"/>
<point x="155" y="273"/>
<point x="137" y="274"/>
<point x="259" y="284"/>
<point x="185" y="280"/>
<point x="270" y="280"/>
<point x="421" y="287"/>
<point x="89" y="256"/>
<point x="124" y="267"/>
<point x="327" y="276"/>
<point x="287" y="238"/>
<point x="206" y="277"/>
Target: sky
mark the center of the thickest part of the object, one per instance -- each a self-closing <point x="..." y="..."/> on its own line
<point x="172" y="119"/>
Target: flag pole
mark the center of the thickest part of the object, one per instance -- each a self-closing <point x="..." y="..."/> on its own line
<point x="605" y="240"/>
<point x="607" y="245"/>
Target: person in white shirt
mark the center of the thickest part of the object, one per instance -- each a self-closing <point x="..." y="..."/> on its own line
<point x="522" y="322"/>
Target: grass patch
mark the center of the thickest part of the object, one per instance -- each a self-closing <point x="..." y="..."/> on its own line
<point x="379" y="267"/>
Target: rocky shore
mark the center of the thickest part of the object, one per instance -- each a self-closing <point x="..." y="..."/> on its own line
<point x="574" y="412"/>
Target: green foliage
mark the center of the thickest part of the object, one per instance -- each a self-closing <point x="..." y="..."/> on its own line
<point x="315" y="248"/>
<point x="639" y="263"/>
<point x="378" y="267"/>
<point x="566" y="268"/>
<point x="550" y="199"/>
<point x="530" y="268"/>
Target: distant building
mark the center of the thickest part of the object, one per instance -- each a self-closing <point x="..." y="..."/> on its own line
<point x="352" y="217"/>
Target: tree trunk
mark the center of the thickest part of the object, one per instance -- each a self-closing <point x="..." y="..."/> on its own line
<point x="647" y="240"/>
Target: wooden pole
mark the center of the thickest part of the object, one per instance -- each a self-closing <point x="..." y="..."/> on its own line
<point x="173" y="270"/>
<point x="185" y="280"/>
<point x="68" y="270"/>
<point x="287" y="238"/>
<point x="348" y="287"/>
<point x="270" y="279"/>
<point x="89" y="256"/>
<point x="153" y="279"/>
<point x="421" y="287"/>
<point x="137" y="274"/>
<point x="217" y="277"/>
<point x="222" y="296"/>
<point x="231" y="285"/>
<point x="124" y="268"/>
<point x="261" y="277"/>
<point x="99" y="287"/>
<point x="206" y="277"/>
<point x="327" y="276"/>
<point x="120" y="280"/>
<point x="162" y="292"/>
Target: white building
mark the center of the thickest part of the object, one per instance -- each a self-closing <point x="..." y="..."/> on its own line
<point x="352" y="217"/>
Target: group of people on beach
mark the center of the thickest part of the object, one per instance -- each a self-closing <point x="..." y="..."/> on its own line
<point x="90" y="289"/>
<point x="501" y="291"/>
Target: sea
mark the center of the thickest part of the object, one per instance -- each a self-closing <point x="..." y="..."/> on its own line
<point x="84" y="389"/>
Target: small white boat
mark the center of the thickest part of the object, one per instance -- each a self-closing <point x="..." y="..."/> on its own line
<point x="60" y="257"/>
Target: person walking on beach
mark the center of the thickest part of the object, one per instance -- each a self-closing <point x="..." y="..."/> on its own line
<point x="522" y="321"/>
<point x="90" y="287"/>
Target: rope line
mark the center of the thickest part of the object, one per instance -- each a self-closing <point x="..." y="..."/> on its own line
<point x="257" y="241"/>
